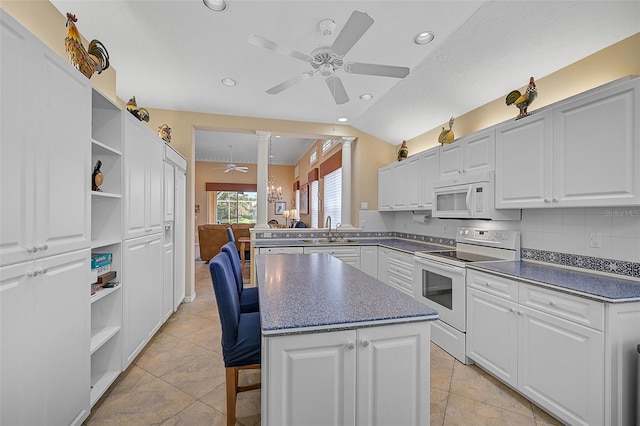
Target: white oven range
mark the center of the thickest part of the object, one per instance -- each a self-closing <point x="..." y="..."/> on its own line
<point x="440" y="281"/>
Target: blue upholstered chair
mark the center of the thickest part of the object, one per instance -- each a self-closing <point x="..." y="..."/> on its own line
<point x="232" y="237"/>
<point x="248" y="296"/>
<point x="241" y="335"/>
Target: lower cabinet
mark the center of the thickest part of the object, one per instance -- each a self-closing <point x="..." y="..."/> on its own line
<point x="348" y="254"/>
<point x="44" y="340"/>
<point x="396" y="269"/>
<point x="548" y="345"/>
<point x="369" y="376"/>
<point x="142" y="293"/>
<point x="369" y="260"/>
<point x="168" y="281"/>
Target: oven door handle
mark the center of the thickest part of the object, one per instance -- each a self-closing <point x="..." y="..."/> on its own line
<point x="452" y="269"/>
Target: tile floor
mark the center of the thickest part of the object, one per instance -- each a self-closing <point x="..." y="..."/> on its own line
<point x="179" y="379"/>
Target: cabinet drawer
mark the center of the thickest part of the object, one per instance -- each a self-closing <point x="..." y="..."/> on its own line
<point x="281" y="250"/>
<point x="337" y="251"/>
<point x="492" y="284"/>
<point x="400" y="283"/>
<point x="577" y="309"/>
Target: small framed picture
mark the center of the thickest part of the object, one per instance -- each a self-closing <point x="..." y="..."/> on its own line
<point x="280" y="207"/>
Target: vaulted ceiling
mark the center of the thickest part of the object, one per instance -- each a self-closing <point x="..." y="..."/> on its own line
<point x="175" y="54"/>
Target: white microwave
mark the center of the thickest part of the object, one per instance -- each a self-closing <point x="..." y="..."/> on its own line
<point x="469" y="197"/>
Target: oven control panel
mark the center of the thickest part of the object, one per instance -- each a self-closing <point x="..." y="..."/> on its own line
<point x="492" y="237"/>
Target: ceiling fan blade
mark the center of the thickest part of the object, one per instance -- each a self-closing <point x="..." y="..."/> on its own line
<point x="268" y="44"/>
<point x="376" y="69"/>
<point x="286" y="84"/>
<point x="337" y="90"/>
<point x="227" y="171"/>
<point x="356" y="26"/>
<point x="242" y="170"/>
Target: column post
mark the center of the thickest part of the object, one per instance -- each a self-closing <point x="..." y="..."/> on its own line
<point x="345" y="218"/>
<point x="262" y="178"/>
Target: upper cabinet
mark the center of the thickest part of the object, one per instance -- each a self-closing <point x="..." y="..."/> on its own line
<point x="143" y="180"/>
<point x="582" y="152"/>
<point x="45" y="154"/>
<point x="408" y="184"/>
<point x="469" y="154"/>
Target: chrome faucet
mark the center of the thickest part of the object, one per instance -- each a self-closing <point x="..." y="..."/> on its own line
<point x="327" y="224"/>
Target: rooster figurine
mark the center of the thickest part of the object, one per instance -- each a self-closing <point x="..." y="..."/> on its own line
<point x="87" y="61"/>
<point x="446" y="136"/>
<point x="523" y="101"/>
<point x="403" y="152"/>
<point x="164" y="132"/>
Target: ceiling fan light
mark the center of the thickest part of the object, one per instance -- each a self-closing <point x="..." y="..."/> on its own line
<point x="366" y="96"/>
<point x="343" y="119"/>
<point x="215" y="5"/>
<point x="228" y="81"/>
<point x="424" y="37"/>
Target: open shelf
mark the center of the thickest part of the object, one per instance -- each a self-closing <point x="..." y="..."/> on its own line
<point x="102" y="336"/>
<point x="103" y="292"/>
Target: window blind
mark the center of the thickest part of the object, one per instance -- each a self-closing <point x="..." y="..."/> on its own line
<point x="333" y="196"/>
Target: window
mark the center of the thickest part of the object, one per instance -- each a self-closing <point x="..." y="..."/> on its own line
<point x="333" y="196"/>
<point x="327" y="144"/>
<point x="235" y="207"/>
<point x="313" y="157"/>
<point x="313" y="193"/>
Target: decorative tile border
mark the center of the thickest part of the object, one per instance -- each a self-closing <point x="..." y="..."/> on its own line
<point x="612" y="266"/>
<point x="293" y="234"/>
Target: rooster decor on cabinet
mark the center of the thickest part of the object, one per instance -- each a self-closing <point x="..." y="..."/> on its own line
<point x="164" y="132"/>
<point x="140" y="113"/>
<point x="403" y="152"/>
<point x="523" y="100"/>
<point x="446" y="135"/>
<point x="87" y="61"/>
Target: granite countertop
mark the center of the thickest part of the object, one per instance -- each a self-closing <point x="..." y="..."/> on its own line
<point x="593" y="286"/>
<point x="301" y="293"/>
<point x="408" y="246"/>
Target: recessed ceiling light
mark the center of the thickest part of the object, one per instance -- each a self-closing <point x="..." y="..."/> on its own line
<point x="424" y="37"/>
<point x="278" y="136"/>
<point x="215" y="5"/>
<point x="343" y="119"/>
<point x="228" y="82"/>
<point x="366" y="96"/>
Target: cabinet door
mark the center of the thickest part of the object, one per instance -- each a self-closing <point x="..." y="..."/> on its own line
<point x="413" y="183"/>
<point x="383" y="264"/>
<point x="561" y="367"/>
<point x="169" y="192"/>
<point x="384" y="188"/>
<point x="142" y="292"/>
<point x="369" y="260"/>
<point x="63" y="221"/>
<point x="479" y="152"/>
<point x="492" y="334"/>
<point x="597" y="149"/>
<point x="44" y="346"/>
<point x="399" y="182"/>
<point x="167" y="300"/>
<point x="393" y="375"/>
<point x="155" y="183"/>
<point x="310" y="379"/>
<point x="524" y="161"/>
<point x="451" y="160"/>
<point x="180" y="244"/>
<point x="429" y="172"/>
<point x="135" y="179"/>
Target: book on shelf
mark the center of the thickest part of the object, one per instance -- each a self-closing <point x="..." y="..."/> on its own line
<point x="100" y="259"/>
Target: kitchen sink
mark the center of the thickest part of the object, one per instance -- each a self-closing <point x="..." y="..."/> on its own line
<point x="327" y="241"/>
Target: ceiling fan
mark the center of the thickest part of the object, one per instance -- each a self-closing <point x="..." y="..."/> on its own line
<point x="232" y="167"/>
<point x="328" y="59"/>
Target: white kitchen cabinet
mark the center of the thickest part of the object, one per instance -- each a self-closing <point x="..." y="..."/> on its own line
<point x="581" y="152"/>
<point x="400" y="271"/>
<point x="383" y="264"/>
<point x="429" y="171"/>
<point x="45" y="154"/>
<point x="328" y="378"/>
<point x="385" y="187"/>
<point x="169" y="278"/>
<point x="546" y="344"/>
<point x="469" y="154"/>
<point x="280" y="250"/>
<point x="348" y="254"/>
<point x="44" y="340"/>
<point x="180" y="238"/>
<point x="142" y="293"/>
<point x="169" y="192"/>
<point x="369" y="260"/>
<point x="143" y="180"/>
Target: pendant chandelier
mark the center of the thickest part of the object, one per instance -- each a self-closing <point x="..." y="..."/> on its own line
<point x="274" y="192"/>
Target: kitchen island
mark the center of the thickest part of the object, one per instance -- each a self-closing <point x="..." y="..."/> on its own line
<point x="340" y="347"/>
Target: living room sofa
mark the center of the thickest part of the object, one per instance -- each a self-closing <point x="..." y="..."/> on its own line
<point x="213" y="236"/>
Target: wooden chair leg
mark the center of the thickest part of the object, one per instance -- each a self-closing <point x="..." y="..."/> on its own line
<point x="232" y="386"/>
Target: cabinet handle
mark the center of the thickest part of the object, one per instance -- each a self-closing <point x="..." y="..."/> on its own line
<point x="552" y="303"/>
<point x="512" y="310"/>
<point x="546" y="200"/>
<point x="33" y="273"/>
<point x="32" y="249"/>
<point x="43" y="247"/>
<point x="519" y="313"/>
<point x="350" y="345"/>
<point x="365" y="343"/>
<point x="42" y="271"/>
<point x="555" y="200"/>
